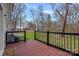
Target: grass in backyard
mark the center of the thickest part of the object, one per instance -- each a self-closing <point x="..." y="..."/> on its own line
<point x="30" y="35"/>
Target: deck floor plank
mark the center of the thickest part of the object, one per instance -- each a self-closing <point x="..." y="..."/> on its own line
<point x="36" y="48"/>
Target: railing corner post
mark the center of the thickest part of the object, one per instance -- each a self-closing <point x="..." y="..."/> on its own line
<point x="6" y="38"/>
<point x="34" y="34"/>
<point x="24" y="36"/>
<point x="47" y="37"/>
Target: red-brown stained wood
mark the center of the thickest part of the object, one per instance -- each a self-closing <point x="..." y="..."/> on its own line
<point x="36" y="48"/>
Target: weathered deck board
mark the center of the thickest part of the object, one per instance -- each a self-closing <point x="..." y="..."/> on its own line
<point x="36" y="48"/>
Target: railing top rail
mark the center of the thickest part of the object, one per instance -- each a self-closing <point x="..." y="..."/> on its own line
<point x="14" y="31"/>
<point x="66" y="33"/>
<point x="42" y="31"/>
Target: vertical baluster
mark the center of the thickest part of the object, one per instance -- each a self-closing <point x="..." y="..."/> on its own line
<point x="70" y="42"/>
<point x="60" y="40"/>
<point x="78" y="44"/>
<point x="47" y="37"/>
<point x="57" y="40"/>
<point x="38" y="35"/>
<point x="51" y="36"/>
<point x="64" y="41"/>
<point x="74" y="43"/>
<point x="67" y="42"/>
<point x="53" y="39"/>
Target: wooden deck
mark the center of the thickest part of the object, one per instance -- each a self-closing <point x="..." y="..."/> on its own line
<point x="35" y="48"/>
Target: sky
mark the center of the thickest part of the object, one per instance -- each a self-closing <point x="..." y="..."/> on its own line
<point x="47" y="9"/>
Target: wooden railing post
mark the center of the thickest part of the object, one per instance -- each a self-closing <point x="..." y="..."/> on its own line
<point x="47" y="37"/>
<point x="34" y="34"/>
<point x="24" y="35"/>
<point x="6" y="38"/>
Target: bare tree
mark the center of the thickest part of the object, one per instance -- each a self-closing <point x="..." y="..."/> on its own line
<point x="67" y="14"/>
<point x="64" y="18"/>
<point x="17" y="14"/>
<point x="33" y="15"/>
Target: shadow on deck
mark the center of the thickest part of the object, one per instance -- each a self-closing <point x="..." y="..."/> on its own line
<point x="34" y="48"/>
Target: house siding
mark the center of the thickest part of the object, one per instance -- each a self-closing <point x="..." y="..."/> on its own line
<point x="3" y="27"/>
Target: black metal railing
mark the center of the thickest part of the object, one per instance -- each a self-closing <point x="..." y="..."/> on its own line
<point x="12" y="35"/>
<point x="66" y="41"/>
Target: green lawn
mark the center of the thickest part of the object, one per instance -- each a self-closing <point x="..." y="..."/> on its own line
<point x="30" y="35"/>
